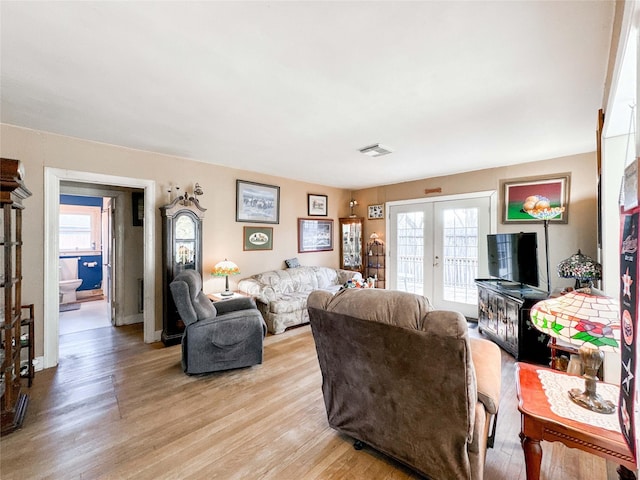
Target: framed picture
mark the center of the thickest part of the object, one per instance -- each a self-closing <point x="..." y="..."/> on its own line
<point x="256" y="202"/>
<point x="257" y="238"/>
<point x="375" y="212"/>
<point x="137" y="207"/>
<point x="316" y="205"/>
<point x="535" y="193"/>
<point x="315" y="235"/>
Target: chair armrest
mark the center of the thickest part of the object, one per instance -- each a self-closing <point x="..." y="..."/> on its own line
<point x="488" y="365"/>
<point x="234" y="304"/>
<point x="258" y="290"/>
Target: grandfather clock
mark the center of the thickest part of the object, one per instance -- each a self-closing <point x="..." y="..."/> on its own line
<point x="181" y="250"/>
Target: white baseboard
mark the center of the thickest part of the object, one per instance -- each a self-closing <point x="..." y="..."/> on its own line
<point x="131" y="319"/>
<point x="38" y="363"/>
<point x="157" y="335"/>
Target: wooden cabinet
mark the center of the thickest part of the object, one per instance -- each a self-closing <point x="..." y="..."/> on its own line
<point x="13" y="401"/>
<point x="181" y="250"/>
<point x="503" y="316"/>
<point x="351" y="244"/>
<point x="376" y="262"/>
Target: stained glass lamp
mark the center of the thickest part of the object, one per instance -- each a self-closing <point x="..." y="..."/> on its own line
<point x="224" y="269"/>
<point x="581" y="267"/>
<point x="590" y="322"/>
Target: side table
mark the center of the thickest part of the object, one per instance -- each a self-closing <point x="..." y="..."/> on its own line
<point x="216" y="297"/>
<point x="539" y="423"/>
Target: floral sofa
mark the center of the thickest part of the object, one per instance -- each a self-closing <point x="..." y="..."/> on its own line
<point x="281" y="295"/>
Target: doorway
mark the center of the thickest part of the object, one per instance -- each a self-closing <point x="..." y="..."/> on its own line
<point x="436" y="248"/>
<point x="54" y="181"/>
<point x="86" y="251"/>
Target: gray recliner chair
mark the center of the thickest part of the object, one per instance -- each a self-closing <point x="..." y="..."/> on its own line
<point x="218" y="336"/>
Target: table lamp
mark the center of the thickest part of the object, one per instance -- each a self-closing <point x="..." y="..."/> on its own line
<point x="224" y="269"/>
<point x="589" y="321"/>
<point x="581" y="267"/>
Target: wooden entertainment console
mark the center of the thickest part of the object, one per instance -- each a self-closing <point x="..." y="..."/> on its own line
<point x="503" y="316"/>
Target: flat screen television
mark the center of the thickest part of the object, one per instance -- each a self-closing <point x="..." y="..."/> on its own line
<point x="514" y="257"/>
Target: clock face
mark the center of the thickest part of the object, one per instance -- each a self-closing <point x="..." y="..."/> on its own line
<point x="375" y="211"/>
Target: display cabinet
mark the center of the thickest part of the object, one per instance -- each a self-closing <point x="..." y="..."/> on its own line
<point x="503" y="316"/>
<point x="13" y="401"/>
<point x="181" y="250"/>
<point x="376" y="262"/>
<point x="351" y="244"/>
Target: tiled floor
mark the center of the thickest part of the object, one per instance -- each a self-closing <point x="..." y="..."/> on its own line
<point x="90" y="315"/>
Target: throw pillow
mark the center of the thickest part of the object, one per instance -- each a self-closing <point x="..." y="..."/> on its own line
<point x="292" y="262"/>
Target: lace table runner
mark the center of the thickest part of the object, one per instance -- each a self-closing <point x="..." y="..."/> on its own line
<point x="557" y="385"/>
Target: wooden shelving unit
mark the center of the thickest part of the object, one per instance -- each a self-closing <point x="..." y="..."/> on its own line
<point x="376" y="259"/>
<point x="27" y="347"/>
<point x="13" y="402"/>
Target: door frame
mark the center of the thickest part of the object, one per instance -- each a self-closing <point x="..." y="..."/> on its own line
<point x="52" y="179"/>
<point x="493" y="215"/>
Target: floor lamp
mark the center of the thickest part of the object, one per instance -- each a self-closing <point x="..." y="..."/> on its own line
<point x="540" y="207"/>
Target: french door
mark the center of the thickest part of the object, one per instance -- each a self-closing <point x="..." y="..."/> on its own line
<point x="438" y="248"/>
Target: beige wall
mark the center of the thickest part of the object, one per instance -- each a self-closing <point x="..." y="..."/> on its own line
<point x="564" y="239"/>
<point x="223" y="235"/>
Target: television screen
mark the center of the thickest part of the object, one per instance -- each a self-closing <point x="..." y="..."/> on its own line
<point x="514" y="257"/>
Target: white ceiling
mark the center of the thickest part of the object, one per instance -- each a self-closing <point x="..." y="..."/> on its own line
<point x="294" y="89"/>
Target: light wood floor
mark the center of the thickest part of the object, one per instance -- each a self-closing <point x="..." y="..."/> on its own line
<point x="116" y="408"/>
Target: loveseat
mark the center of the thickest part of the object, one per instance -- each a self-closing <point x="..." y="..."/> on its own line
<point x="406" y="379"/>
<point x="281" y="295"/>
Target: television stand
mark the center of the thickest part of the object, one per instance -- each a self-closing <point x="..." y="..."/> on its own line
<point x="503" y="317"/>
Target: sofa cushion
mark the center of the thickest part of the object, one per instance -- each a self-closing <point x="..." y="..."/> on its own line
<point x="288" y="303"/>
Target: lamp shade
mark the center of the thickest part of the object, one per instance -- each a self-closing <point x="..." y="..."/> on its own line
<point x="580" y="267"/>
<point x="225" y="268"/>
<point x="580" y="319"/>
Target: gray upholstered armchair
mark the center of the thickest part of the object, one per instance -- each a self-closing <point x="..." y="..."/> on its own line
<point x="218" y="336"/>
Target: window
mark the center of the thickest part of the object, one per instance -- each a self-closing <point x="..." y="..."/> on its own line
<point x="410" y="255"/>
<point x="79" y="228"/>
<point x="460" y="255"/>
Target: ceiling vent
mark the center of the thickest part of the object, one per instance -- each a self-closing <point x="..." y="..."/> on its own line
<point x="376" y="150"/>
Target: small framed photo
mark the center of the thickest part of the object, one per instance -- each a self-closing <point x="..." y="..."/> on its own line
<point x="316" y="205"/>
<point x="523" y="197"/>
<point x="315" y="235"/>
<point x="258" y="238"/>
<point x="137" y="207"/>
<point x="256" y="202"/>
<point x="375" y="212"/>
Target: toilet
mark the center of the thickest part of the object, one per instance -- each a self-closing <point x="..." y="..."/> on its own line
<point x="69" y="281"/>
